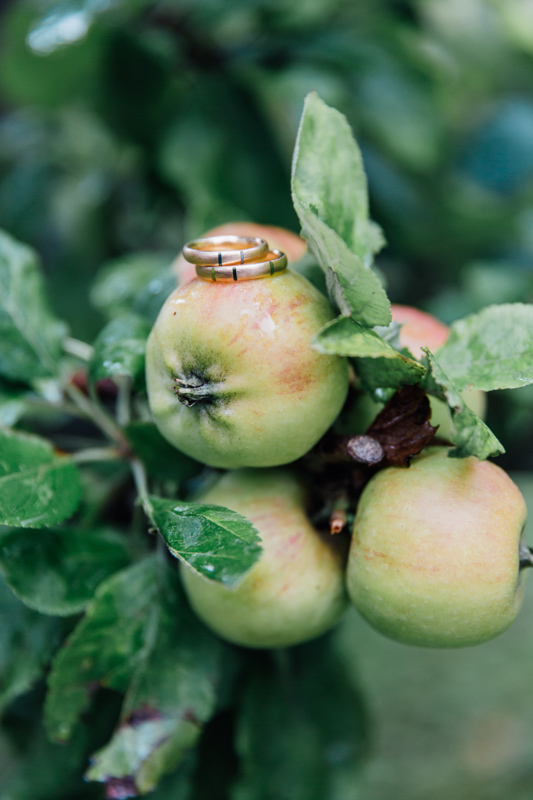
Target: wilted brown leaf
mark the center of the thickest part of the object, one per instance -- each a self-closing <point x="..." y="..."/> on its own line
<point x="402" y="428"/>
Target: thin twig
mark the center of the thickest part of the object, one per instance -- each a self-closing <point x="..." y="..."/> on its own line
<point x="75" y="347"/>
<point x="123" y="400"/>
<point x="141" y="484"/>
<point x="97" y="454"/>
<point x="97" y="414"/>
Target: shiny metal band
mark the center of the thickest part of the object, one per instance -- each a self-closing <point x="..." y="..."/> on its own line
<point x="246" y="271"/>
<point x="220" y="250"/>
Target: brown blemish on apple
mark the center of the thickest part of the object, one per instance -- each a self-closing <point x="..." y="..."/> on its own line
<point x="294" y="381"/>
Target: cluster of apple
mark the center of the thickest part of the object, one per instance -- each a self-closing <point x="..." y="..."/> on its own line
<point x="233" y="382"/>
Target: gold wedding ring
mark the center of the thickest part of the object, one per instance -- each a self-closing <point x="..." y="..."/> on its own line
<point x="271" y="264"/>
<point x="219" y="250"/>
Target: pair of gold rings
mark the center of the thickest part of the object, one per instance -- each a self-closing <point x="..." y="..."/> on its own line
<point x="234" y="258"/>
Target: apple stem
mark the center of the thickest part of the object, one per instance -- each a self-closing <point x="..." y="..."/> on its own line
<point x="525" y="556"/>
<point x="365" y="449"/>
<point x="339" y="512"/>
<point x="344" y="449"/>
<point x="191" y="391"/>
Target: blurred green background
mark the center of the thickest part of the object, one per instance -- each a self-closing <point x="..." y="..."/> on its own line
<point x="129" y="126"/>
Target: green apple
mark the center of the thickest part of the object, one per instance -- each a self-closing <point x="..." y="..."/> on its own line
<point x="434" y="559"/>
<point x="232" y="378"/>
<point x="296" y="590"/>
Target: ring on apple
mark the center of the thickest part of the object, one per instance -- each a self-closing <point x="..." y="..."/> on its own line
<point x="279" y="238"/>
<point x="232" y="378"/>
<point x="296" y="590"/>
<point x="435" y="554"/>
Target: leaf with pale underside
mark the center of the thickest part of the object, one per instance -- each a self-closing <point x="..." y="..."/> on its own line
<point x="353" y="287"/>
<point x="139" y="636"/>
<point x="378" y="363"/>
<point x="328" y="177"/>
<point x="38" y="489"/>
<point x="217" y="543"/>
<point x="172" y="693"/>
<point x="345" y="337"/>
<point x="492" y="349"/>
<point x="330" y="197"/>
<point x="471" y="436"/>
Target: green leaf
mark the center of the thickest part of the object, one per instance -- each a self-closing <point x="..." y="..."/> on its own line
<point x="104" y="648"/>
<point x="27" y="640"/>
<point x="391" y="334"/>
<point x="492" y="349"/>
<point x="330" y="197"/>
<point x="171" y="695"/>
<point x="119" y="348"/>
<point x="30" y="336"/>
<point x="37" y="488"/>
<point x="301" y="728"/>
<point x="12" y="403"/>
<point x="471" y="436"/>
<point x="138" y="283"/>
<point x="217" y="543"/>
<point x="352" y="286"/>
<point x="57" y="572"/>
<point x="378" y="363"/>
<point x="140" y="753"/>
<point x="346" y="337"/>
<point x="328" y="177"/>
<point x="386" y="373"/>
<point x="160" y="458"/>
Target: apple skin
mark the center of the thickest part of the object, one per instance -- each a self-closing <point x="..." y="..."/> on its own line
<point x="419" y="329"/>
<point x="296" y="590"/>
<point x="434" y="559"/>
<point x="288" y="242"/>
<point x="264" y="396"/>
